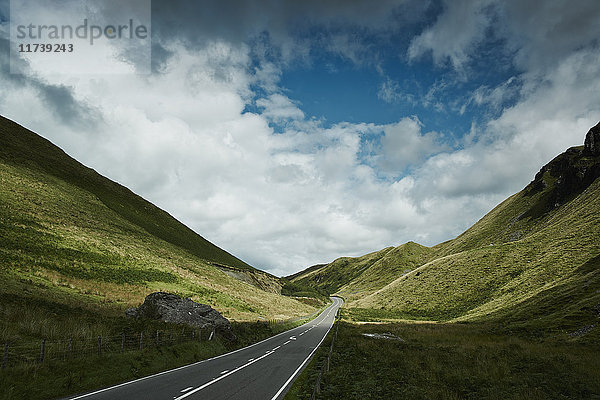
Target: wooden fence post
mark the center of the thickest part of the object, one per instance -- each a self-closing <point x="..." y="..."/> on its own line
<point x="43" y="351"/>
<point x="70" y="348"/>
<point x="157" y="338"/>
<point x="5" y="358"/>
<point x="141" y="340"/>
<point x="122" y="342"/>
<point x="99" y="345"/>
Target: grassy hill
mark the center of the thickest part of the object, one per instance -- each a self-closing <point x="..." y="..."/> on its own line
<point x="77" y="249"/>
<point x="356" y="277"/>
<point x="23" y="148"/>
<point x="331" y="277"/>
<point x="533" y="261"/>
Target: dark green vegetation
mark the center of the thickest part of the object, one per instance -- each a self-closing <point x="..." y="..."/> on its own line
<point x="452" y="361"/>
<point x="299" y="289"/>
<point x="55" y="378"/>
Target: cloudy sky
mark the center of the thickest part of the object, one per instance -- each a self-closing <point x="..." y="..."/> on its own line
<point x="291" y="133"/>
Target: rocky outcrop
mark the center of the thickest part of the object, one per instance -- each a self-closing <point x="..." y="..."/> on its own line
<point x="169" y="307"/>
<point x="567" y="175"/>
<point x="592" y="142"/>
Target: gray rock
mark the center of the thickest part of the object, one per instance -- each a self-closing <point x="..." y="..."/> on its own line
<point x="573" y="172"/>
<point x="582" y="331"/>
<point x="385" y="336"/>
<point x="131" y="312"/>
<point x="169" y="307"/>
<point x="592" y="141"/>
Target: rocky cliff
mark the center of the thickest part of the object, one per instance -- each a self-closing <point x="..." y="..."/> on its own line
<point x="568" y="175"/>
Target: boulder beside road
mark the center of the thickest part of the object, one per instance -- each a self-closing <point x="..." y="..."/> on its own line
<point x="170" y="307"/>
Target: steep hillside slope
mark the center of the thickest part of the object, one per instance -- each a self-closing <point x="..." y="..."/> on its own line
<point x="23" y="148"/>
<point x="536" y="254"/>
<point x="395" y="263"/>
<point x="331" y="277"/>
<point x="557" y="183"/>
<point x="359" y="276"/>
<point x="77" y="249"/>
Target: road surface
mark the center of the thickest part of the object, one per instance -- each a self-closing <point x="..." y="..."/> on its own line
<point x="262" y="371"/>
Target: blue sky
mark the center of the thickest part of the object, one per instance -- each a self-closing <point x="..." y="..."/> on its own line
<point x="291" y="133"/>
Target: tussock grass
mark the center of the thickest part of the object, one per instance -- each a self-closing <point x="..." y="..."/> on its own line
<point x="453" y="361"/>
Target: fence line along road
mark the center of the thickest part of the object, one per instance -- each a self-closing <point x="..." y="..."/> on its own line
<point x="38" y="351"/>
<point x="32" y="352"/>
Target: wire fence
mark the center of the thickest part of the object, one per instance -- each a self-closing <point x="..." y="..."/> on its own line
<point x="32" y="352"/>
<point x="37" y="352"/>
<point x="326" y="363"/>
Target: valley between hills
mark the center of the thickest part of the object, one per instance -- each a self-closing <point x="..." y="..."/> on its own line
<point x="510" y="309"/>
<point x="532" y="262"/>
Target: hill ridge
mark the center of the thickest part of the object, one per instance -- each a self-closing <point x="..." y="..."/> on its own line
<point x="23" y="147"/>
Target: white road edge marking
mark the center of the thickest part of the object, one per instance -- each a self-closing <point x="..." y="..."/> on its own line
<point x="301" y="365"/>
<point x="224" y="372"/>
<point x="252" y="362"/>
<point x="179" y="368"/>
<point x="276" y="348"/>
<point x="186" y="389"/>
<point x="222" y="377"/>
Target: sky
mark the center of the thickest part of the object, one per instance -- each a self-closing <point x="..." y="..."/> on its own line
<point x="292" y="133"/>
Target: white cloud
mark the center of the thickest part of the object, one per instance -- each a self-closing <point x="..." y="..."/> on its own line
<point x="404" y="144"/>
<point x="285" y="200"/>
<point x="496" y="96"/>
<point x="391" y="92"/>
<point x="454" y="34"/>
<point x="279" y="108"/>
<point x="546" y="31"/>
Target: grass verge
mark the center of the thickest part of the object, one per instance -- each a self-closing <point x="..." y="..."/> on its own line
<point x="452" y="361"/>
<point x="56" y="378"/>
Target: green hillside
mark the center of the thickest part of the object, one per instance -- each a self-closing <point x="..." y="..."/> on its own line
<point x="77" y="249"/>
<point x="533" y="260"/>
<point x="536" y="254"/>
<point x="331" y="277"/>
<point x="357" y="277"/>
<point x="23" y="148"/>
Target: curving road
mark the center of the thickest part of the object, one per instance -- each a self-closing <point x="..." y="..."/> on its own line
<point x="262" y="371"/>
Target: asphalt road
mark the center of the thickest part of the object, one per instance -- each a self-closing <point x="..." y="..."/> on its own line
<point x="262" y="371"/>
